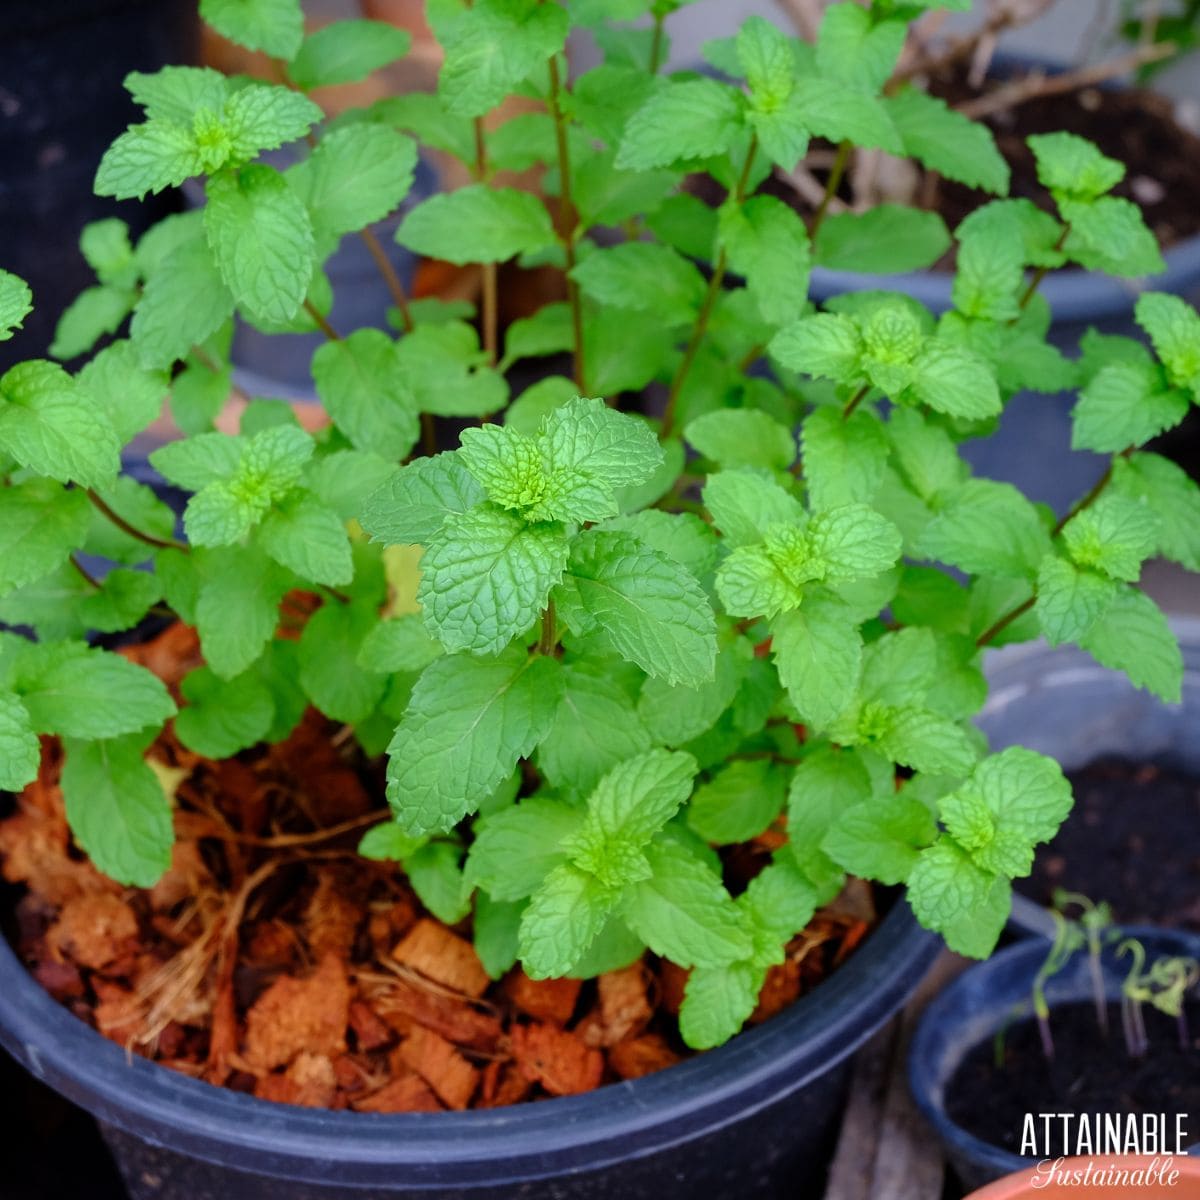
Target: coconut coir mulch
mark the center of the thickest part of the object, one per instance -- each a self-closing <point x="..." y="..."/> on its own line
<point x="271" y="959"/>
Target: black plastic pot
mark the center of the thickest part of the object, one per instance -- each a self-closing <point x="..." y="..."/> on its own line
<point x="987" y="998"/>
<point x="1063" y="703"/>
<point x="755" y="1118"/>
<point x="61" y="104"/>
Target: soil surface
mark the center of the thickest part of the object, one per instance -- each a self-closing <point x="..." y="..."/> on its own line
<point x="1133" y="839"/>
<point x="1087" y="1075"/>
<point x="272" y="959"/>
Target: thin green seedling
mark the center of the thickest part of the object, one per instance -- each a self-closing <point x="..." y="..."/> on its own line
<point x="1171" y="980"/>
<point x="1096" y="922"/>
<point x="1068" y="937"/>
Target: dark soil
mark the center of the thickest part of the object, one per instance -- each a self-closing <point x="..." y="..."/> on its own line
<point x="1133" y="839"/>
<point x="1087" y="1076"/>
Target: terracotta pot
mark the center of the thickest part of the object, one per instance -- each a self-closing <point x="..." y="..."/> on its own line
<point x="1047" y="1181"/>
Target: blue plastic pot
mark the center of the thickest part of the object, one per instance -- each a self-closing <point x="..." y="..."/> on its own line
<point x="985" y="999"/>
<point x="1061" y="702"/>
<point x="754" y="1118"/>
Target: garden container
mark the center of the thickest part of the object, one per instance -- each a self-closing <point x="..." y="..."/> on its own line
<point x="754" y="1118"/>
<point x="61" y="105"/>
<point x="989" y="997"/>
<point x="1062" y="702"/>
<point x="1025" y="1184"/>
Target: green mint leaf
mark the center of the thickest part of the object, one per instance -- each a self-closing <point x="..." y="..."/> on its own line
<point x="117" y="809"/>
<point x="49" y="424"/>
<point x="130" y="395"/>
<point x="643" y="277"/>
<point x="1167" y="490"/>
<point x="825" y="785"/>
<point x="495" y="931"/>
<point x="467" y="724"/>
<point x="767" y="60"/>
<point x="818" y="652"/>
<point x="493" y="47"/>
<point x="95" y="312"/>
<point x="842" y="112"/>
<point x="1070" y="600"/>
<point x="387" y="842"/>
<point x="853" y="542"/>
<point x="447" y="373"/>
<point x="586" y="435"/>
<point x="745" y="504"/>
<point x="221" y="716"/>
<point x="1174" y="328"/>
<point x="855" y="48"/>
<point x="1017" y="223"/>
<point x="683" y="912"/>
<point x="739" y="802"/>
<point x="20" y="752"/>
<point x="347" y="51"/>
<point x="184" y="302"/>
<point x="681" y="536"/>
<point x="1023" y="798"/>
<point x="437" y="878"/>
<point x="68" y="688"/>
<point x="1133" y="636"/>
<point x="683" y="120"/>
<point x="1123" y="405"/>
<point x="1071" y="166"/>
<point x="927" y="741"/>
<point x="329" y="670"/>
<point x="925" y="454"/>
<point x="827" y="345"/>
<point x="399" y="644"/>
<point x="262" y="240"/>
<point x="1113" y="536"/>
<point x="767" y="243"/>
<point x="412" y="506"/>
<point x="948" y="142"/>
<point x="263" y="117"/>
<point x="175" y="94"/>
<point x="881" y="838"/>
<point x="675" y="714"/>
<point x="742" y="437"/>
<point x="486" y="576"/>
<point x="548" y="331"/>
<point x="477" y="224"/>
<point x="16" y="303"/>
<point x="515" y="849"/>
<point x="562" y="920"/>
<point x="1110" y="234"/>
<point x="307" y="537"/>
<point x="964" y="903"/>
<point x="236" y="606"/>
<point x="717" y="1002"/>
<point x="40" y="524"/>
<point x="122" y="601"/>
<point x="428" y="120"/>
<point x="193" y="463"/>
<point x="987" y="528"/>
<point x="955" y="381"/>
<point x="149" y="157"/>
<point x="595" y="727"/>
<point x="365" y="393"/>
<point x="274" y="26"/>
<point x="632" y="600"/>
<point x="887" y="240"/>
<point x="844" y="459"/>
<point x="355" y="177"/>
<point x="988" y="276"/>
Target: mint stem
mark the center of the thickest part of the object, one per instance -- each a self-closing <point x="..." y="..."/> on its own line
<point x="125" y="527"/>
<point x="394" y="286"/>
<point x="840" y="162"/>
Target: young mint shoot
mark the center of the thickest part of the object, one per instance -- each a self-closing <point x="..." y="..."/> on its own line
<point x="725" y="574"/>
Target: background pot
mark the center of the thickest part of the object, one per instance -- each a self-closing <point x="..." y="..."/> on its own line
<point x="755" y="1118"/>
<point x="986" y="998"/>
<point x="1062" y="702"/>
<point x="61" y="104"/>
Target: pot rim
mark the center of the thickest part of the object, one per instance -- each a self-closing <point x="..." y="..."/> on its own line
<point x="619" y="1121"/>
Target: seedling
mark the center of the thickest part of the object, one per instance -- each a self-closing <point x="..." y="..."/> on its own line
<point x="1172" y="979"/>
<point x="1068" y="937"/>
<point x="1135" y="991"/>
<point x="597" y="648"/>
<point x="1097" y="926"/>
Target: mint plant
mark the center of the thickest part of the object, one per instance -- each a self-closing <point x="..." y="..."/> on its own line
<point x="728" y="575"/>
